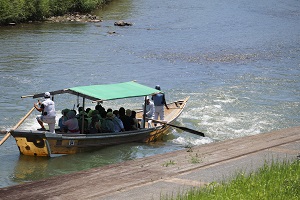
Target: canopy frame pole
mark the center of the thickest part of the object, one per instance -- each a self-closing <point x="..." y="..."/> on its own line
<point x="144" y="112"/>
<point x="83" y="110"/>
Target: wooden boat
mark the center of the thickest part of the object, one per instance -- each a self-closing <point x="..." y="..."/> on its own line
<point x="44" y="143"/>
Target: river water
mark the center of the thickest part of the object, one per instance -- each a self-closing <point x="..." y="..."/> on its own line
<point x="238" y="60"/>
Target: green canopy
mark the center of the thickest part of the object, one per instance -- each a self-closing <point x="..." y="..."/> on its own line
<point x="108" y="91"/>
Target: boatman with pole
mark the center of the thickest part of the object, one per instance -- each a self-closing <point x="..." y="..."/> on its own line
<point x="47" y="108"/>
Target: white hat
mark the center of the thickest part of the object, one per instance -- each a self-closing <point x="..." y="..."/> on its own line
<point x="47" y="95"/>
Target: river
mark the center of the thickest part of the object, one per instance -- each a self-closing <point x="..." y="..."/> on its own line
<point x="238" y="60"/>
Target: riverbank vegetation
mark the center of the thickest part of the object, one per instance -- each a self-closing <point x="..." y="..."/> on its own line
<point x="17" y="11"/>
<point x="275" y="181"/>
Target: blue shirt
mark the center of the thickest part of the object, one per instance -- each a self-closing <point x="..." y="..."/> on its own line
<point x="159" y="99"/>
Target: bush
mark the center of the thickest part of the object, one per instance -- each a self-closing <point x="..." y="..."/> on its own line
<point x="35" y="10"/>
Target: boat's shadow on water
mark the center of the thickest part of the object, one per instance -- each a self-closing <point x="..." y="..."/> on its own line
<point x="32" y="168"/>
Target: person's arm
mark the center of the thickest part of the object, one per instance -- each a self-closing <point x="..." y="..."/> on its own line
<point x="39" y="108"/>
<point x="165" y="101"/>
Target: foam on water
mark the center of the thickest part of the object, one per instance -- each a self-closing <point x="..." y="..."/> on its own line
<point x="192" y="141"/>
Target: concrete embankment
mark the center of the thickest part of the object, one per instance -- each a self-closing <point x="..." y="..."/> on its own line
<point x="166" y="174"/>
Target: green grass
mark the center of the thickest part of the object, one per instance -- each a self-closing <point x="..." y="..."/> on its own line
<point x="277" y="180"/>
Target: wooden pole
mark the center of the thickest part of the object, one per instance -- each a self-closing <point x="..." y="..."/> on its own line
<point x="16" y="126"/>
<point x="181" y="127"/>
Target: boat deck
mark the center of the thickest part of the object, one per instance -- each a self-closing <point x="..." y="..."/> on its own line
<point x="166" y="174"/>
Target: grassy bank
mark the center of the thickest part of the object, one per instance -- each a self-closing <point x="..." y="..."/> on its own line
<point x="16" y="11"/>
<point x="275" y="181"/>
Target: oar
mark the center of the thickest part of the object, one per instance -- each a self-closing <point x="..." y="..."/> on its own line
<point x="180" y="127"/>
<point x="16" y="126"/>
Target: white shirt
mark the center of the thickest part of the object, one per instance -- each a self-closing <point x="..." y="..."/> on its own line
<point x="149" y="109"/>
<point x="49" y="108"/>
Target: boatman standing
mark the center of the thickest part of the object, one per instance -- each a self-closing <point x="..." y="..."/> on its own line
<point x="47" y="108"/>
<point x="159" y="103"/>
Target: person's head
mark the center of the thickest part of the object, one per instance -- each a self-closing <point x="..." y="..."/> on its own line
<point x="80" y="109"/>
<point x="82" y="114"/>
<point x="64" y="112"/>
<point x="116" y="113"/>
<point x="128" y="112"/>
<point x="87" y="110"/>
<point x="109" y="110"/>
<point x="98" y="107"/>
<point x="147" y="100"/>
<point x="47" y="95"/>
<point x="109" y="115"/>
<point x="133" y="114"/>
<point x="95" y="112"/>
<point x="71" y="114"/>
<point x="157" y="87"/>
<point x="122" y="111"/>
<point x="90" y="113"/>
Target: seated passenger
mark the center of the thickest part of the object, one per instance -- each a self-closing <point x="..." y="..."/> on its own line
<point x="79" y="111"/>
<point x="64" y="117"/>
<point x="95" y="126"/>
<point x="127" y="120"/>
<point x="136" y="123"/>
<point x="108" y="126"/>
<point x="100" y="109"/>
<point x="119" y="127"/>
<point x="133" y="123"/>
<point x="85" y="124"/>
<point x="71" y="123"/>
<point x="109" y="110"/>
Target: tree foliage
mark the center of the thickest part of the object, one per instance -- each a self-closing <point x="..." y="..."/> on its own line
<point x="15" y="11"/>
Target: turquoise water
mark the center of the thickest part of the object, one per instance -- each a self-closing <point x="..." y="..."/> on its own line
<point x="239" y="62"/>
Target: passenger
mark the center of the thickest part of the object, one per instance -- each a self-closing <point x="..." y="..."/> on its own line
<point x="85" y="124"/>
<point x="109" y="110"/>
<point x="149" y="112"/>
<point x="119" y="127"/>
<point x="79" y="111"/>
<point x="90" y="113"/>
<point x="136" y="122"/>
<point x="108" y="126"/>
<point x="62" y="127"/>
<point x="89" y="116"/>
<point x="87" y="110"/>
<point x="96" y="113"/>
<point x="132" y="126"/>
<point x="127" y="121"/>
<point x="72" y="122"/>
<point x="95" y="126"/>
<point x="103" y="116"/>
<point x="100" y="109"/>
